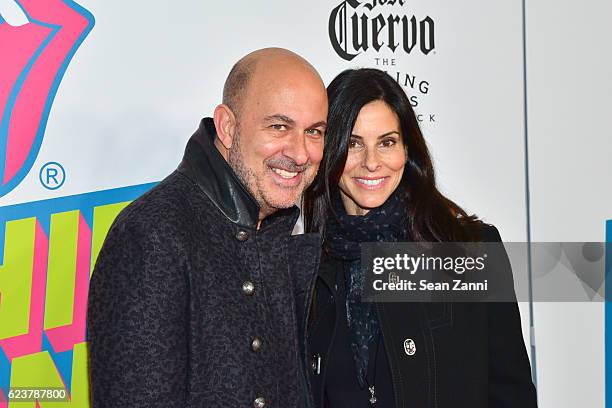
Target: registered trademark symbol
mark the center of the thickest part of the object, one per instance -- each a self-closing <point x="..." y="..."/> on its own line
<point x="52" y="175"/>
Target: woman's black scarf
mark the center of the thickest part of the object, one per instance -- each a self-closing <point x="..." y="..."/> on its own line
<point x="343" y="236"/>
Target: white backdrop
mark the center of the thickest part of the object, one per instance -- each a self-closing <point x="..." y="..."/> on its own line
<point x="570" y="95"/>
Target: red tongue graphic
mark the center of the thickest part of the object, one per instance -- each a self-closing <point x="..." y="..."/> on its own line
<point x="34" y="59"/>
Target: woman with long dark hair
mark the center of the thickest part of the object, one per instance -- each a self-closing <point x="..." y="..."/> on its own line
<point x="376" y="183"/>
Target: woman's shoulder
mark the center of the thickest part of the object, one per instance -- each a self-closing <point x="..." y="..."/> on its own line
<point x="490" y="233"/>
<point x="483" y="231"/>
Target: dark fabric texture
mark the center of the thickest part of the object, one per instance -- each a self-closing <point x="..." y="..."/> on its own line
<point x="342" y="390"/>
<point x="467" y="354"/>
<point x="343" y="239"/>
<point x="169" y="324"/>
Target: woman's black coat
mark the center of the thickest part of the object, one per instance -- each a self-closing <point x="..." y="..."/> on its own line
<point x="468" y="354"/>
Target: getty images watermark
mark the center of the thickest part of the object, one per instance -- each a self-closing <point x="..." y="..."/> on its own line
<point x="485" y="271"/>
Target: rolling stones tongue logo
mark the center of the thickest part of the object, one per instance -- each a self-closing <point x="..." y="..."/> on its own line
<point x="38" y="38"/>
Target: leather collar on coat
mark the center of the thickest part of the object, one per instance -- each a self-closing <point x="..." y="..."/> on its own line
<point x="205" y="165"/>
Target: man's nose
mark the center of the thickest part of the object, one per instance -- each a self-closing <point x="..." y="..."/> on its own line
<point x="296" y="149"/>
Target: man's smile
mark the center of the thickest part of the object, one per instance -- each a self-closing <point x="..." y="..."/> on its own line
<point x="286" y="178"/>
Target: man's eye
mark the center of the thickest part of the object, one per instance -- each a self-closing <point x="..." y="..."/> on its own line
<point x="278" y="126"/>
<point x="314" y="132"/>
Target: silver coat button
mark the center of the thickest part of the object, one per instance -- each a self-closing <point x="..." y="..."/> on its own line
<point x="259" y="402"/>
<point x="242" y="235"/>
<point x="256" y="344"/>
<point x="248" y="288"/>
<point x="315" y="364"/>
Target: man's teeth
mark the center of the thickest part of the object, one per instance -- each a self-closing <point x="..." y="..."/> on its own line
<point x="284" y="173"/>
<point x="370" y="182"/>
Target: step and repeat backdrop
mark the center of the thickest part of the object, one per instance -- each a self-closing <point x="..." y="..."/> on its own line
<point x="98" y="98"/>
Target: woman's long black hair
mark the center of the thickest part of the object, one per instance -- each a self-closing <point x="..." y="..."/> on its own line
<point x="430" y="216"/>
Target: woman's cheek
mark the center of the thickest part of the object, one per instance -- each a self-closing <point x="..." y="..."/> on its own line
<point x="352" y="161"/>
<point x="396" y="161"/>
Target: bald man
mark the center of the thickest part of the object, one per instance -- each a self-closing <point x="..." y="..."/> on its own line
<point x="199" y="295"/>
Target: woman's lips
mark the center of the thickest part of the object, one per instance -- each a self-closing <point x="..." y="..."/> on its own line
<point x="370" y="183"/>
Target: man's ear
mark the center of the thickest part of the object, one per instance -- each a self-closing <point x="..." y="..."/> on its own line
<point x="225" y="123"/>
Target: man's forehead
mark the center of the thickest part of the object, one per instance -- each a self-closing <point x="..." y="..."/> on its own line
<point x="287" y="104"/>
<point x="280" y="79"/>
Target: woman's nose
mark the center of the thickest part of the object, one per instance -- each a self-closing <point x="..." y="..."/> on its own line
<point x="371" y="160"/>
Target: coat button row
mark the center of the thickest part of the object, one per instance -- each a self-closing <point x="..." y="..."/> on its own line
<point x="248" y="288"/>
<point x="259" y="402"/>
<point x="256" y="344"/>
<point x="242" y="235"/>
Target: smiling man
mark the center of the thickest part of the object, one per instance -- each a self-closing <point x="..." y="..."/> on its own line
<point x="199" y="294"/>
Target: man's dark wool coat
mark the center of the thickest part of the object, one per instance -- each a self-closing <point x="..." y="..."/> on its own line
<point x="191" y="306"/>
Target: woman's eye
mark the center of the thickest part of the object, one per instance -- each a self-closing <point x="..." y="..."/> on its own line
<point x="388" y="143"/>
<point x="353" y="144"/>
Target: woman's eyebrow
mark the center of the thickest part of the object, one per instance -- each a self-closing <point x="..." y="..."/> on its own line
<point x="379" y="137"/>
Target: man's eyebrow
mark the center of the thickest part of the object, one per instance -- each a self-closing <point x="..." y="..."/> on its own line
<point x="281" y="118"/>
<point x="379" y="137"/>
<point x="318" y="124"/>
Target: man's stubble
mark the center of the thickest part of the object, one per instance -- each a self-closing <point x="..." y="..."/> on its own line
<point x="254" y="184"/>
